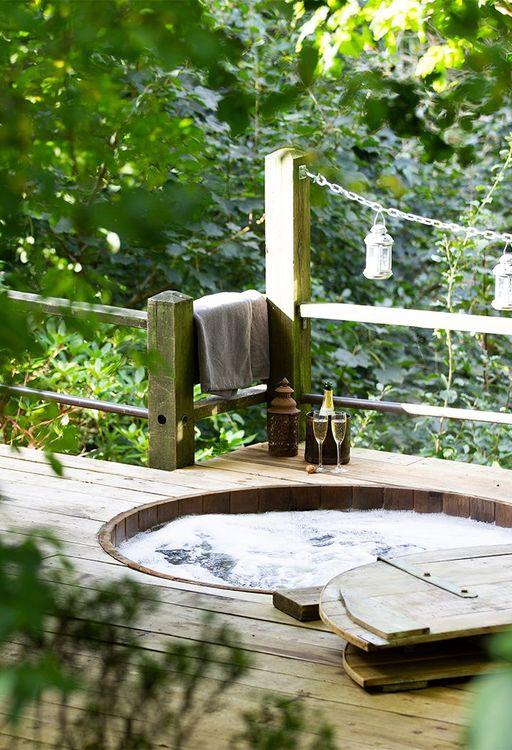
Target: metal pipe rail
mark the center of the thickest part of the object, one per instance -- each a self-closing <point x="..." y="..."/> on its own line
<point x="203" y="408"/>
<point x="83" y="403"/>
<point x="413" y="410"/>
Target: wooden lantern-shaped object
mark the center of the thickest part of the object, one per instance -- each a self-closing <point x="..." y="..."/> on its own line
<point x="283" y="422"/>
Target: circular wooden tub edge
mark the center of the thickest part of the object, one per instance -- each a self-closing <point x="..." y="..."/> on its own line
<point x="285" y="498"/>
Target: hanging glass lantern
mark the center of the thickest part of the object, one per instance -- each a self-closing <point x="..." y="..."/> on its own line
<point x="503" y="282"/>
<point x="379" y="245"/>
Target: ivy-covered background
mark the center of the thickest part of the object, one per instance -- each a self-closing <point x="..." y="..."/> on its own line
<point x="132" y="145"/>
<point x="132" y="139"/>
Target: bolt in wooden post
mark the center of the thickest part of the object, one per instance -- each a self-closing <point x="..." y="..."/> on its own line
<point x="288" y="273"/>
<point x="171" y="381"/>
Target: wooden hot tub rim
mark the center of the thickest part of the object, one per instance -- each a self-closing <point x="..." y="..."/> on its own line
<point x="288" y="498"/>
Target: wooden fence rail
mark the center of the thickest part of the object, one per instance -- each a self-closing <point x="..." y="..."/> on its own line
<point x="399" y="316"/>
<point x="121" y="316"/>
<point x="171" y="410"/>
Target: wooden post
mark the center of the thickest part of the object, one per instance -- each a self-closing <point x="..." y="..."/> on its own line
<point x="288" y="273"/>
<point x="171" y="381"/>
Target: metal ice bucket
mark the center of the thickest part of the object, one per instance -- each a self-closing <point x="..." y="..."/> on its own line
<point x="329" y="446"/>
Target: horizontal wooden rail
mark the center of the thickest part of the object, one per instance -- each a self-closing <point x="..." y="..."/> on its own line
<point x="213" y="405"/>
<point x="414" y="410"/>
<point x="121" y="316"/>
<point x="399" y="316"/>
<point x="83" y="403"/>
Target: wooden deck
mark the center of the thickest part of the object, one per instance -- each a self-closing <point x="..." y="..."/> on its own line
<point x="288" y="657"/>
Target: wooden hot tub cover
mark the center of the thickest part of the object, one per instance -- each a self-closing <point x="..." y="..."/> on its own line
<point x="420" y="598"/>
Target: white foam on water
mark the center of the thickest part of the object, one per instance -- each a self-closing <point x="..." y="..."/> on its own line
<point x="294" y="549"/>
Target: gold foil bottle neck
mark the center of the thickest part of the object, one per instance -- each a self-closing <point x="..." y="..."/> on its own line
<point x="327" y="408"/>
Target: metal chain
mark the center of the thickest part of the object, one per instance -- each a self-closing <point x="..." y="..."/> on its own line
<point x="450" y="226"/>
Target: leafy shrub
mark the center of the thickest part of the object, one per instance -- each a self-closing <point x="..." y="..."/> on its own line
<point x="74" y="653"/>
<point x="491" y="724"/>
<point x="109" y="366"/>
<point x="280" y="724"/>
<point x="206" y="180"/>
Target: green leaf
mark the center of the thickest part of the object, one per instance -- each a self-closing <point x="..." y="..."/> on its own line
<point x="235" y="109"/>
<point x="491" y="723"/>
<point x="307" y="63"/>
<point x="55" y="463"/>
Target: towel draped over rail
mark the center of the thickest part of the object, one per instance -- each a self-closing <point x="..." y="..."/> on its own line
<point x="232" y="341"/>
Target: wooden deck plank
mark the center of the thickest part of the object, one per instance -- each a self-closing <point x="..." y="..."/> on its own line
<point x="199" y="475"/>
<point x="31" y="497"/>
<point x="114" y="485"/>
<point x="227" y="601"/>
<point x="419" y="476"/>
<point x="348" y="699"/>
<point x="288" y="656"/>
<point x="375" y="731"/>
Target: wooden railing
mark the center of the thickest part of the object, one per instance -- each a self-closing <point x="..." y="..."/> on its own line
<point x="289" y="290"/>
<point x="171" y="410"/>
<point x="121" y="316"/>
<point x="397" y="316"/>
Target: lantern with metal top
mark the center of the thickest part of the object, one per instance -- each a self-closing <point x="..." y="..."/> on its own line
<point x="379" y="246"/>
<point x="503" y="282"/>
<point x="283" y="422"/>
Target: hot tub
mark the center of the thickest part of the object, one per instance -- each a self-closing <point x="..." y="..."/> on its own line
<point x="297" y="500"/>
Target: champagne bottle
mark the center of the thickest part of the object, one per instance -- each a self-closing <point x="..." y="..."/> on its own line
<point x="327" y="408"/>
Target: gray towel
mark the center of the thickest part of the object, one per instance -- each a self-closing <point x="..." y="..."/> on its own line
<point x="232" y="341"/>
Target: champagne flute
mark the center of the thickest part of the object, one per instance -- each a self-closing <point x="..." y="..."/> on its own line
<point x="339" y="429"/>
<point x="320" y="427"/>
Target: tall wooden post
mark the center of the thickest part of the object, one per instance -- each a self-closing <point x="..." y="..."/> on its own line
<point x="288" y="273"/>
<point x="171" y="381"/>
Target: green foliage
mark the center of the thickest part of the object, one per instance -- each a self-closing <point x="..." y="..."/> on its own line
<point x="109" y="366"/>
<point x="491" y="723"/>
<point x="296" y="101"/>
<point x="114" y="692"/>
<point x="19" y="569"/>
<point x="91" y="84"/>
<point x="108" y="109"/>
<point x="280" y="724"/>
<point x="429" y="69"/>
<point x="226" y="432"/>
<point x="27" y="601"/>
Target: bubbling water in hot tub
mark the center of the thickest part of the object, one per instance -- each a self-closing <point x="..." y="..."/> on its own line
<point x="297" y="548"/>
